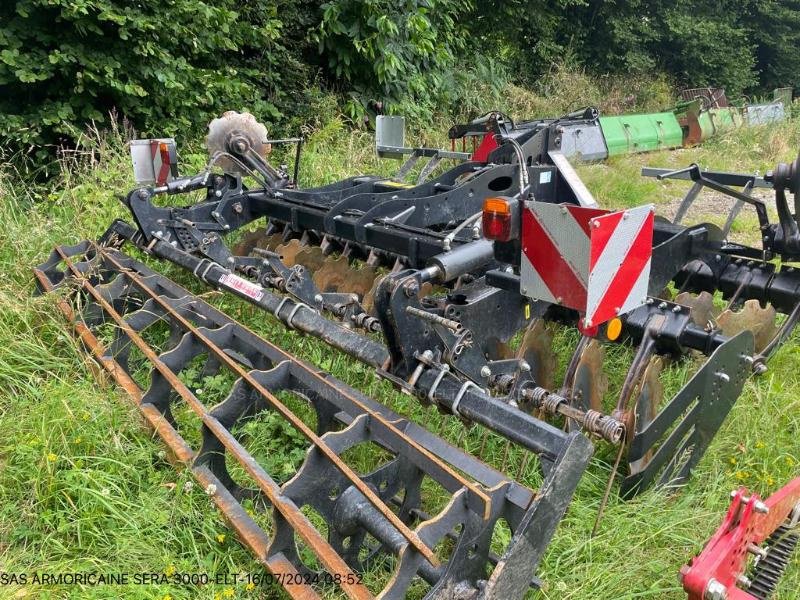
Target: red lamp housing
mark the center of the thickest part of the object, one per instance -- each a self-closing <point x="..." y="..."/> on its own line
<point x="497" y="219"/>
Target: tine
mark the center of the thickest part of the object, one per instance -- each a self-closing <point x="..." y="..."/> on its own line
<point x="687" y="202"/>
<point x="249" y="241"/>
<point x="483" y="442"/>
<point x="523" y="464"/>
<point x="505" y="456"/>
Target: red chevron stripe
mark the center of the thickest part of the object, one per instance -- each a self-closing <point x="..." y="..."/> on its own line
<point x="546" y="259"/>
<point x="601" y="236"/>
<point x="626" y="276"/>
<point x="583" y="216"/>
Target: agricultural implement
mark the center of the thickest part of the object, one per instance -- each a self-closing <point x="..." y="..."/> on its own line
<point x="434" y="279"/>
<point x="765" y="530"/>
<point x="453" y="283"/>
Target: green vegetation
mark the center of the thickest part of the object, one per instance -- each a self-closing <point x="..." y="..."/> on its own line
<point x="83" y="486"/>
<point x="169" y="66"/>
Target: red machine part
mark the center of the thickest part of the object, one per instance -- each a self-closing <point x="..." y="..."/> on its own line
<point x="714" y="572"/>
<point x="487" y="145"/>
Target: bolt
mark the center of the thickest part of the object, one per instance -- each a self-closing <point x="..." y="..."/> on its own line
<point x="759" y="368"/>
<point x="226" y="226"/>
<point x="717" y="257"/>
<point x="743" y="581"/>
<point x="411" y="288"/>
<point x="215" y="214"/>
<point x="524" y="366"/>
<point x="218" y="193"/>
<point x="761" y="508"/>
<point x="649" y="301"/>
<point x="485" y="371"/>
<point x="143" y="194"/>
<point x="318" y="298"/>
<point x="748" y="359"/>
<point x="662" y="306"/>
<point x="723" y="376"/>
<point x="757" y="551"/>
<point x="715" y="590"/>
<point x="231" y="260"/>
<point x="676" y="309"/>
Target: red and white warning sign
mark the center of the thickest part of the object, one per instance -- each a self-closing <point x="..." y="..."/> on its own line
<point x="594" y="261"/>
<point x="154" y="161"/>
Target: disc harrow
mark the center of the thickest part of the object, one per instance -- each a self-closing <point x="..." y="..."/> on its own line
<point x="123" y="311"/>
<point x="427" y="285"/>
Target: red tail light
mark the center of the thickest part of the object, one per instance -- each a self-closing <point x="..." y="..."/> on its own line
<point x="497" y="219"/>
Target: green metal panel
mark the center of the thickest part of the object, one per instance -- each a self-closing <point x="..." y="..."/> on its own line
<point x="725" y="118"/>
<point x="706" y="125"/>
<point x="641" y="133"/>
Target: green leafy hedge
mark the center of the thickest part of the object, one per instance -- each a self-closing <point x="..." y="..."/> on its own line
<point x="165" y="65"/>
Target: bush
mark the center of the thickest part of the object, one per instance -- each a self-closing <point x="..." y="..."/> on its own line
<point x="391" y="51"/>
<point x="166" y="66"/>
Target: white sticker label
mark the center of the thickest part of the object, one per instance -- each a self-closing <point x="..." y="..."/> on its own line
<point x="248" y="288"/>
<point x="545" y="177"/>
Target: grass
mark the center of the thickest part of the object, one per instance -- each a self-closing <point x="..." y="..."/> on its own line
<point x="84" y="487"/>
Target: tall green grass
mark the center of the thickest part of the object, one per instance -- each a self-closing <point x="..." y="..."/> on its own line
<point x="83" y="486"/>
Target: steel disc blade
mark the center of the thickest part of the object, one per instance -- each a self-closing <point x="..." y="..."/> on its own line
<point x="289" y="252"/>
<point x="590" y="383"/>
<point x="249" y="241"/>
<point x="368" y="301"/>
<point x="497" y="350"/>
<point x="536" y="349"/>
<point x="650" y="394"/>
<point x="701" y="306"/>
<point x="338" y="276"/>
<point x="311" y="258"/>
<point x="761" y="321"/>
<point x="239" y="125"/>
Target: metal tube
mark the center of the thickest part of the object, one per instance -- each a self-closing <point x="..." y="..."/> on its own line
<point x="463" y="259"/>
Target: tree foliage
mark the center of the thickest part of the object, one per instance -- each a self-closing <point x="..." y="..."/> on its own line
<point x="390" y="50"/>
<point x="171" y="65"/>
<point x="164" y="65"/>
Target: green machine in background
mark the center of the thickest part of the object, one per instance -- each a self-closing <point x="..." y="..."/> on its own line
<point x="628" y="134"/>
